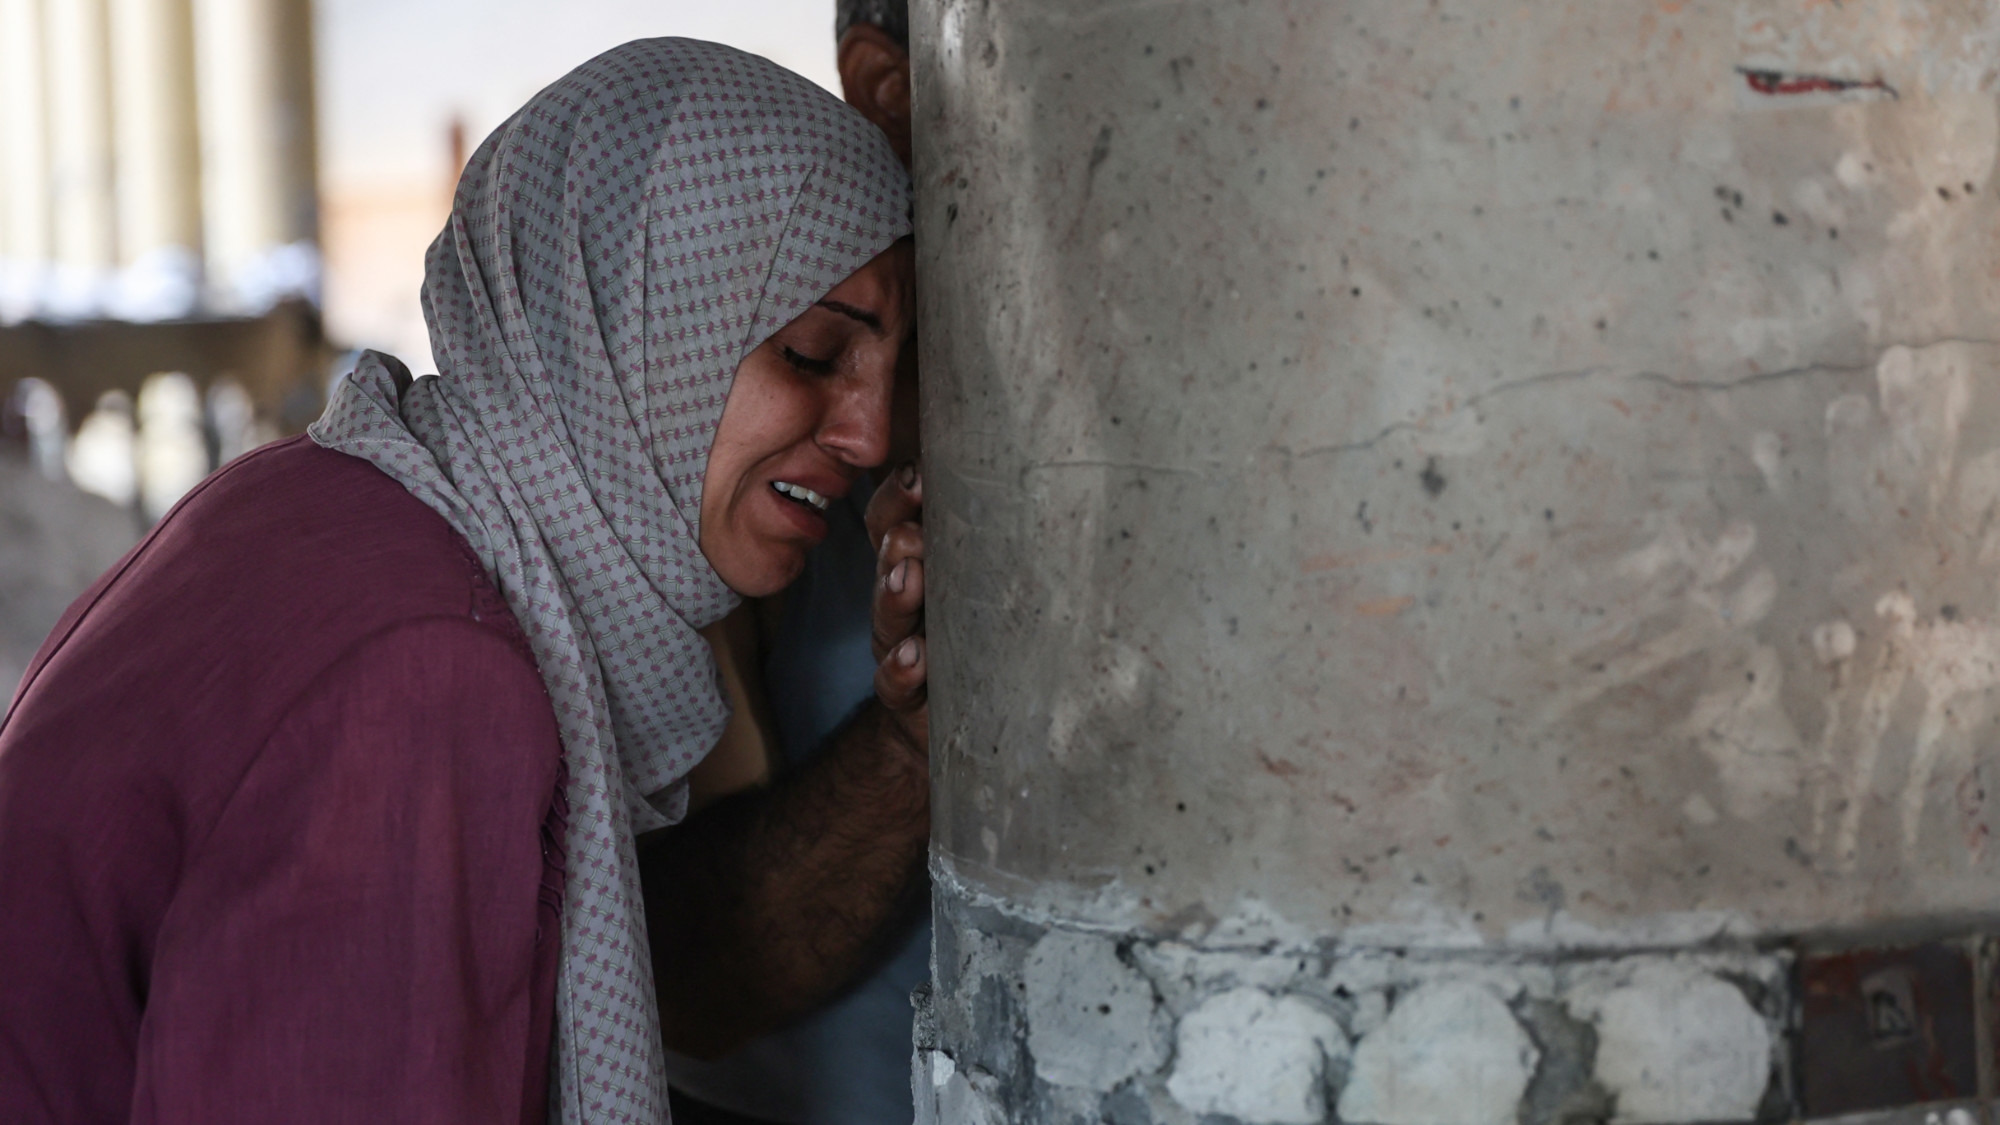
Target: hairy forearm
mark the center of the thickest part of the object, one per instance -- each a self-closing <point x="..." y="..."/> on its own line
<point x="763" y="905"/>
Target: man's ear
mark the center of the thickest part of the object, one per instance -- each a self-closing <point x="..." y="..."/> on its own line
<point x="875" y="78"/>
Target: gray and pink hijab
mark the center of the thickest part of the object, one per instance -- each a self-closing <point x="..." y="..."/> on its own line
<point x="613" y="251"/>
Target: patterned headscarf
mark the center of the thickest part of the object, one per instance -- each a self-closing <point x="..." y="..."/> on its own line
<point x="614" y="250"/>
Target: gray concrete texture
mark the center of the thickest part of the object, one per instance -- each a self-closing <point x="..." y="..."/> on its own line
<point x="1458" y="473"/>
<point x="1054" y="1025"/>
<point x="1509" y="488"/>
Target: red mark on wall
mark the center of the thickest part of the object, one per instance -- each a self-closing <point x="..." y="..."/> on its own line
<point x="1777" y="83"/>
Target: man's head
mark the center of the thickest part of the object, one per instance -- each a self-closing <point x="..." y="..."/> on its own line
<point x="874" y="59"/>
<point x="875" y="64"/>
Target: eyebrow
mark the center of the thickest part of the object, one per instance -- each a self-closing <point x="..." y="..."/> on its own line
<point x="863" y="315"/>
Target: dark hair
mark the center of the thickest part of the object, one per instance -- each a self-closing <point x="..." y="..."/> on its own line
<point x="892" y="16"/>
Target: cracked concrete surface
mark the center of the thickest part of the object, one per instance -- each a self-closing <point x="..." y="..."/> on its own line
<point x="1256" y="1056"/>
<point x="1677" y="1044"/>
<point x="1510" y="487"/>
<point x="1092" y="1020"/>
<point x="1048" y="1023"/>
<point x="1449" y="1053"/>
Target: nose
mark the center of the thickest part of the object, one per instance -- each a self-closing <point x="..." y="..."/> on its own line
<point x="856" y="426"/>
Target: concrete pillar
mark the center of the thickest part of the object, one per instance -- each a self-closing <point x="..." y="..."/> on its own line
<point x="80" y="156"/>
<point x="159" y="178"/>
<point x="1463" y="544"/>
<point x="24" y="168"/>
<point x="259" y="164"/>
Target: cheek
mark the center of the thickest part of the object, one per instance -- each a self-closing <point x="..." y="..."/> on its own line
<point x="777" y="409"/>
<point x="769" y="411"/>
<point x="736" y="435"/>
<point x="718" y="489"/>
<point x="721" y="494"/>
<point x="786" y="421"/>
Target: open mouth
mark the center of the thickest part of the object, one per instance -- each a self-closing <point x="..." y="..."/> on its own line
<point x="800" y="494"/>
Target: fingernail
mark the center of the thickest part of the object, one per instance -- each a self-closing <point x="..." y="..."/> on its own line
<point x="906" y="653"/>
<point x="908" y="475"/>
<point x="899" y="576"/>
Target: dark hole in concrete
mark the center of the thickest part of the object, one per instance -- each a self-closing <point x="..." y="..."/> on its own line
<point x="1432" y="480"/>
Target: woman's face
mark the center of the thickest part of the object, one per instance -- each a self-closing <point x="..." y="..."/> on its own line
<point x="807" y="414"/>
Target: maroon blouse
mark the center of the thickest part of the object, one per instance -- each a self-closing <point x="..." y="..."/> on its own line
<point x="280" y="820"/>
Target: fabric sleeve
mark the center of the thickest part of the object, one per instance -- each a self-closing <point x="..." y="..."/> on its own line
<point x="364" y="937"/>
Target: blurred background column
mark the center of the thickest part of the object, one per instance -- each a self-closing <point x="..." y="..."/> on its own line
<point x="158" y="159"/>
<point x="254" y="69"/>
<point x="24" y="175"/>
<point x="79" y="100"/>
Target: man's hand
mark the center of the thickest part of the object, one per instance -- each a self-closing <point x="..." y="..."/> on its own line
<point x="766" y="903"/>
<point x="895" y="525"/>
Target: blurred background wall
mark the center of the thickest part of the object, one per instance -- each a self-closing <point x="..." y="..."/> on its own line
<point x="208" y="206"/>
<point x="398" y="76"/>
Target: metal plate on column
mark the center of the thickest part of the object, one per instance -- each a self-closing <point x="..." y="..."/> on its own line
<point x="1886" y="1028"/>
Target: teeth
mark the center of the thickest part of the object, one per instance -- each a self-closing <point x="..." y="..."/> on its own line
<point x="801" y="492"/>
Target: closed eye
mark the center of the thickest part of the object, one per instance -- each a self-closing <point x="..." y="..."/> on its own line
<point x="808" y="364"/>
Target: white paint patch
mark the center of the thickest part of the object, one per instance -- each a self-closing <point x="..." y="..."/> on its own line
<point x="1879" y="691"/>
<point x="1123" y="666"/>
<point x="1108" y="693"/>
<point x="1888" y="460"/>
<point x="1092" y="1019"/>
<point x="1954" y="662"/>
<point x="1697" y="809"/>
<point x="1732" y="549"/>
<point x="1853" y="171"/>
<point x="1743" y="728"/>
<point x="1979" y="503"/>
<point x="1112" y="244"/>
<point x="1685" y="583"/>
<point x="1676" y="1044"/>
<point x="1950" y="661"/>
<point x="1833" y="642"/>
<point x="1064" y="717"/>
<point x="1767" y="452"/>
<point x="1449" y="1054"/>
<point x="946" y="1095"/>
<point x="1924" y="397"/>
<point x="1256" y="1057"/>
<point x="1813" y="196"/>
